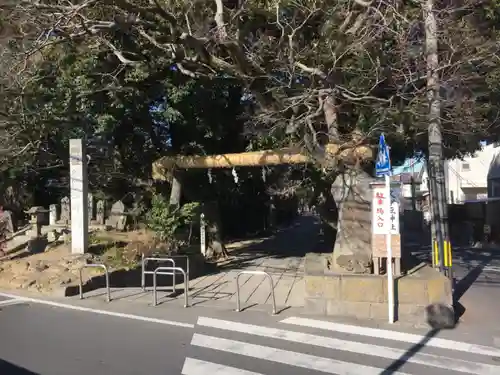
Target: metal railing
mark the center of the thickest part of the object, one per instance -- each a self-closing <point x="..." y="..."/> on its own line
<point x="271" y="284"/>
<point x="172" y="271"/>
<point x="170" y="259"/>
<point x="144" y="272"/>
<point x="186" y="276"/>
<point x="95" y="265"/>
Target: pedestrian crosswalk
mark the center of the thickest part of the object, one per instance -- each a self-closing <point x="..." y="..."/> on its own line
<point x="321" y="347"/>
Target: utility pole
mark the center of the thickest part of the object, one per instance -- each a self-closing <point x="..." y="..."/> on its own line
<point x="435" y="158"/>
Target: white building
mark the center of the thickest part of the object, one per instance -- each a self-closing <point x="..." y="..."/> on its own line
<point x="474" y="177"/>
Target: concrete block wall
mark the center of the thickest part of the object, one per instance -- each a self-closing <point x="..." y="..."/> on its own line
<point x="365" y="296"/>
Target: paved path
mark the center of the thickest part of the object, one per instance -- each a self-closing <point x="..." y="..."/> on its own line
<point x="281" y="256"/>
<point x="48" y="338"/>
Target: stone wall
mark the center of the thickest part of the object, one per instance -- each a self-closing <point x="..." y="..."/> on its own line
<point x="364" y="296"/>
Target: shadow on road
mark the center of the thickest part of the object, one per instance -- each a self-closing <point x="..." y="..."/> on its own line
<point x="474" y="261"/>
<point x="8" y="368"/>
<point x="302" y="236"/>
<point x="397" y="364"/>
<point x="439" y="317"/>
<point x="471" y="267"/>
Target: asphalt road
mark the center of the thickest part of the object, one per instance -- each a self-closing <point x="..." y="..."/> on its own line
<point x="50" y="341"/>
<point x="47" y="340"/>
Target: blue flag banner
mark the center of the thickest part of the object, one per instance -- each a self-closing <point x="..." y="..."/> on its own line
<point x="383" y="163"/>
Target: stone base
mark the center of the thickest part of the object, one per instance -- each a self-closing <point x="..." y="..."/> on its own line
<point x="364" y="296"/>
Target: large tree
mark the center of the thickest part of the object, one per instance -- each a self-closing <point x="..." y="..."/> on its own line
<point x="320" y="71"/>
<point x="313" y="72"/>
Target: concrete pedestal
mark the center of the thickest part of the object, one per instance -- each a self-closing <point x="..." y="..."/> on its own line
<point x="364" y="296"/>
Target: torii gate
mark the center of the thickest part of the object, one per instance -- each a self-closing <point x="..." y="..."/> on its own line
<point x="163" y="168"/>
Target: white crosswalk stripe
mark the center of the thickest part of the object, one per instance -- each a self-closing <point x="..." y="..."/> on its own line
<point x="447" y="363"/>
<point x="394" y="335"/>
<point x="197" y="367"/>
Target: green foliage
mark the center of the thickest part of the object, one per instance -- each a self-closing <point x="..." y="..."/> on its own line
<point x="251" y="92"/>
<point x="170" y="223"/>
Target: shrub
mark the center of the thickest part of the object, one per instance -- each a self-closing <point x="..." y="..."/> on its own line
<point x="171" y="224"/>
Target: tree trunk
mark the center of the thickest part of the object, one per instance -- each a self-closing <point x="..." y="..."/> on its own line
<point x="176" y="192"/>
<point x="215" y="244"/>
<point x="327" y="209"/>
<point x="436" y="161"/>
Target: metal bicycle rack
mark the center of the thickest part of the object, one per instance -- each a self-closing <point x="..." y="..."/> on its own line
<point x="95" y="265"/>
<point x="271" y="284"/>
<point x="171" y="271"/>
<point x="144" y="260"/>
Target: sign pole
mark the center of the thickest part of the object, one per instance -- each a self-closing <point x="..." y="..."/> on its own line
<point x="383" y="168"/>
<point x="390" y="276"/>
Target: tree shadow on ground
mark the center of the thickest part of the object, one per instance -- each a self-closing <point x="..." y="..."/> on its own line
<point x="8" y="368"/>
<point x="101" y="248"/>
<point x="475" y="262"/>
<point x="301" y="237"/>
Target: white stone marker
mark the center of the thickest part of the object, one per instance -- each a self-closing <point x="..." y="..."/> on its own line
<point x="53" y="214"/>
<point x="203" y="233"/>
<point x="79" y="196"/>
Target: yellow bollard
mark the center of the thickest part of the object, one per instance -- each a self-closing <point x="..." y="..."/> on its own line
<point x="445" y="253"/>
<point x="435" y="253"/>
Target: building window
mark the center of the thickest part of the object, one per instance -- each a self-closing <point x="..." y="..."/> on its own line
<point x="465" y="167"/>
<point x="495" y="188"/>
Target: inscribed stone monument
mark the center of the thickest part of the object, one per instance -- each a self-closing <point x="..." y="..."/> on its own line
<point x="353" y="195"/>
<point x="65" y="210"/>
<point x="117" y="219"/>
<point x="100" y="212"/>
<point x="79" y="196"/>
<point x="53" y="214"/>
<point x="91" y="206"/>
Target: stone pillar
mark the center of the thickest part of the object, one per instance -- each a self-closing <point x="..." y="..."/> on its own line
<point x="36" y="220"/>
<point x="79" y="196"/>
<point x="53" y="214"/>
<point x="101" y="212"/>
<point x="65" y="211"/>
<point x="91" y="206"/>
<point x="352" y="194"/>
<point x="203" y="242"/>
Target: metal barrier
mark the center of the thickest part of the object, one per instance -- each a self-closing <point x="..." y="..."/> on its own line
<point x="144" y="272"/>
<point x="106" y="274"/>
<point x="173" y="271"/>
<point x="161" y="259"/>
<point x="238" y="309"/>
<point x="186" y="277"/>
